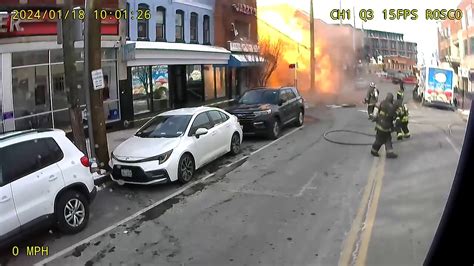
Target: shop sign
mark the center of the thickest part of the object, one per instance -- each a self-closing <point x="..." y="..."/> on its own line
<point x="245" y="9"/>
<point x="243" y="47"/>
<point x="45" y="25"/>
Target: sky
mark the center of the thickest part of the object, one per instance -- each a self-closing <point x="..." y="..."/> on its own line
<point x="421" y="31"/>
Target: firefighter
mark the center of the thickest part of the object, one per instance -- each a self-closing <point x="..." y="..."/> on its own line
<point x="371" y="99"/>
<point x="401" y="91"/>
<point x="385" y="115"/>
<point x="401" y="120"/>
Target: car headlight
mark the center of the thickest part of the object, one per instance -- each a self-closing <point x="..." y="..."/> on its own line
<point x="160" y="158"/>
<point x="263" y="112"/>
<point x="164" y="157"/>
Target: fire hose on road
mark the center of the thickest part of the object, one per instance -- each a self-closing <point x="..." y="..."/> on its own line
<point x="327" y="133"/>
<point x="349" y="143"/>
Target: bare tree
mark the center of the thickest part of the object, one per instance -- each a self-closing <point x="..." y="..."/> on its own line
<point x="142" y="74"/>
<point x="264" y="57"/>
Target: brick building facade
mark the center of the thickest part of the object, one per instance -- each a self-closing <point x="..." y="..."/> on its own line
<point x="236" y="30"/>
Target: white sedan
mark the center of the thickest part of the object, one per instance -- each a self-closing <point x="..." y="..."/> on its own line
<point x="173" y="145"/>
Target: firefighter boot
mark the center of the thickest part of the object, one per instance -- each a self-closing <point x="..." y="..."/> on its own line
<point x="374" y="153"/>
<point x="407" y="135"/>
<point x="392" y="155"/>
<point x="400" y="136"/>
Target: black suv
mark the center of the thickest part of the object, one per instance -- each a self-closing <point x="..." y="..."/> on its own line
<point x="264" y="111"/>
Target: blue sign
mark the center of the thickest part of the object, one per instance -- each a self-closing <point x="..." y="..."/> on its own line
<point x="440" y="79"/>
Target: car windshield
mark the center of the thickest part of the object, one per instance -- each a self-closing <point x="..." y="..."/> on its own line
<point x="260" y="97"/>
<point x="170" y="126"/>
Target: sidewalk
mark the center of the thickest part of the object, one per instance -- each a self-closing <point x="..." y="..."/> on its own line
<point x="465" y="110"/>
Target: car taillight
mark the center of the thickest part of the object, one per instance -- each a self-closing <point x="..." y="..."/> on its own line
<point x="85" y="161"/>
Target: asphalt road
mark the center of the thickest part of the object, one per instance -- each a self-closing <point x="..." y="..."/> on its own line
<point x="298" y="201"/>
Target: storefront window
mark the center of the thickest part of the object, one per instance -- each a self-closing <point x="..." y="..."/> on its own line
<point x="140" y="89"/>
<point x="36" y="121"/>
<point x="194" y="88"/>
<point x="56" y="56"/>
<point x="220" y="82"/>
<point x="60" y="93"/>
<point x="62" y="120"/>
<point x="30" y="58"/>
<point x="160" y="87"/>
<point x="209" y="82"/>
<point x="30" y="91"/>
<point x="40" y="94"/>
<point x="110" y="92"/>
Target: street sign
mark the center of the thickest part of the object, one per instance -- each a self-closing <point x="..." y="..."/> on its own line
<point x="98" y="79"/>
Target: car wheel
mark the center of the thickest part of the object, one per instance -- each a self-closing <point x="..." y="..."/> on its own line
<point x="299" y="119"/>
<point x="235" y="144"/>
<point x="185" y="168"/>
<point x="72" y="212"/>
<point x="274" y="132"/>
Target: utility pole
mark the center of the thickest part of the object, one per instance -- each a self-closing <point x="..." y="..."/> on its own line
<point x="75" y="114"/>
<point x="95" y="102"/>
<point x="312" y="40"/>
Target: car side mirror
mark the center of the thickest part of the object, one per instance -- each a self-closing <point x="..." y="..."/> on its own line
<point x="281" y="102"/>
<point x="200" y="131"/>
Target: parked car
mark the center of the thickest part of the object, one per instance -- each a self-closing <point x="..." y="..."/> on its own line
<point x="44" y="180"/>
<point x="264" y="111"/>
<point x="173" y="145"/>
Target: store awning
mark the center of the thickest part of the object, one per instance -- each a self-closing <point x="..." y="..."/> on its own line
<point x="164" y="53"/>
<point x="244" y="60"/>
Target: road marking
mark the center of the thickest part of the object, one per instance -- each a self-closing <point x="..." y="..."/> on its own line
<point x="260" y="193"/>
<point x="307" y="186"/>
<point x="125" y="220"/>
<point x="140" y="212"/>
<point x="362" y="225"/>
<point x="453" y="146"/>
<point x="264" y="147"/>
<point x="371" y="215"/>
